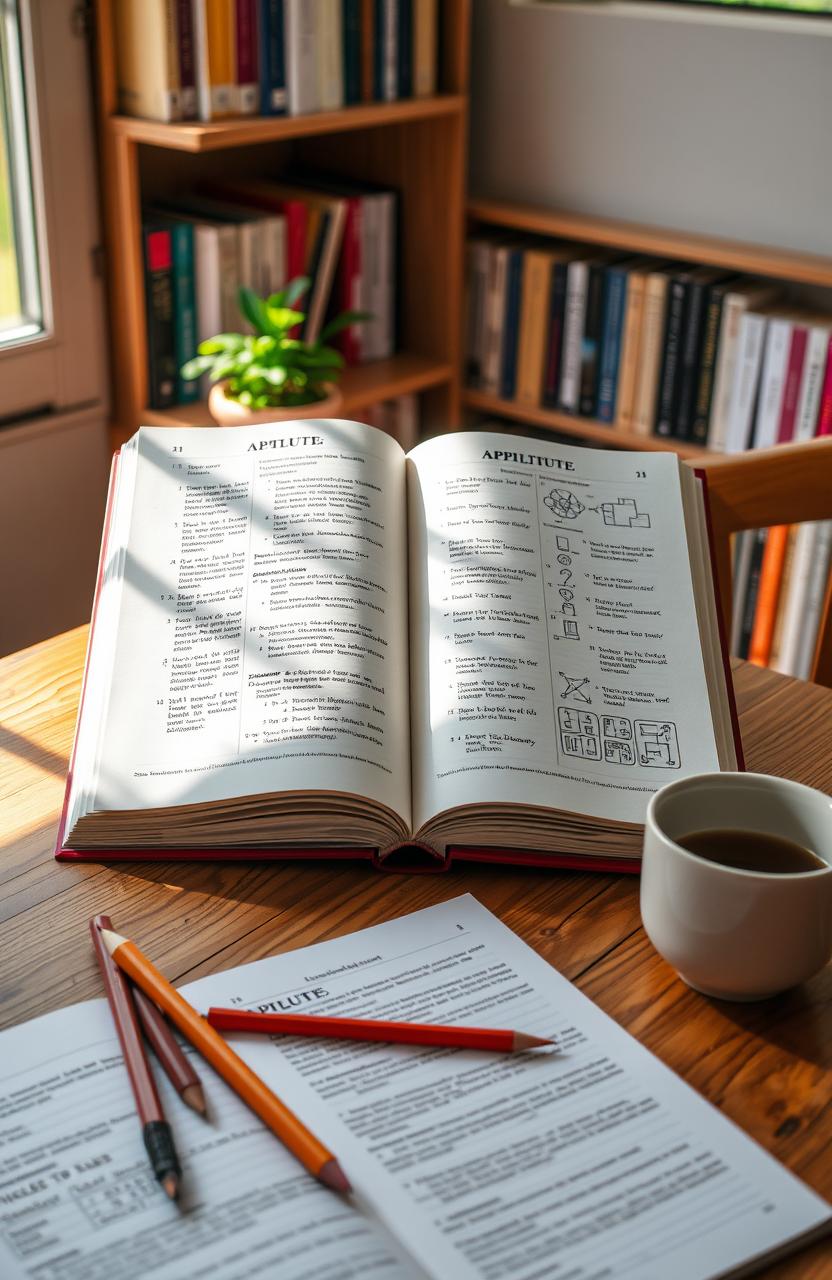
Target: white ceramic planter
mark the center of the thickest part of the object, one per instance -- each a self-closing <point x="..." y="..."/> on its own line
<point x="230" y="413"/>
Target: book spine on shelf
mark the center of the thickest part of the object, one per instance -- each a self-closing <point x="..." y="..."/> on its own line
<point x="814" y="365"/>
<point x="301" y="40"/>
<point x="591" y="341"/>
<point x="162" y="372"/>
<point x="404" y="50"/>
<point x="351" y="27"/>
<point x="615" y="301"/>
<point x="746" y="382"/>
<point x="768" y="595"/>
<point x="669" y="378"/>
<point x="690" y="358"/>
<point x="576" y="291"/>
<point x="707" y="366"/>
<point x="184" y="306"/>
<point x="187" y="59"/>
<point x="820" y="567"/>
<point x="273" y="97"/>
<point x="773" y="380"/>
<point x="424" y="48"/>
<point x="650" y="352"/>
<point x="272" y="254"/>
<point x="791" y="386"/>
<point x="824" y="427"/>
<point x="147" y="59"/>
<point x="750" y="603"/>
<point x="330" y="57"/>
<point x="368" y="49"/>
<point x="734" y="306"/>
<point x="495" y="315"/>
<point x="348" y="281"/>
<point x="537" y="270"/>
<point x="630" y="343"/>
<point x="214" y="44"/>
<point x="385" y="50"/>
<point x="477" y="294"/>
<point x="744" y="547"/>
<point x="778" y="631"/>
<point x="229" y="246"/>
<point x="171" y="30"/>
<point x="554" y="339"/>
<point x="247" y="88"/>
<point x="794" y="608"/>
<point x="387" y="215"/>
<point x="511" y="321"/>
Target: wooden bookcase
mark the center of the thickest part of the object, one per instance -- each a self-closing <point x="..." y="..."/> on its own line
<point x="637" y="238"/>
<point x="415" y="146"/>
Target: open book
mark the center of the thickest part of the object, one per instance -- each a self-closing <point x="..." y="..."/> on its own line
<point x="307" y="642"/>
<point x="589" y="1160"/>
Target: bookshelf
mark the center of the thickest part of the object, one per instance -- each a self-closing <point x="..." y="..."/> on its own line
<point x="636" y="238"/>
<point x="415" y="146"/>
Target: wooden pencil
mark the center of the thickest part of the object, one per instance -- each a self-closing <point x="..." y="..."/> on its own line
<point x="158" y="1138"/>
<point x="283" y="1123"/>
<point x="309" y="1024"/>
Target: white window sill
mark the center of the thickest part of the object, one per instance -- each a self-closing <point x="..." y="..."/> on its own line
<point x="699" y="14"/>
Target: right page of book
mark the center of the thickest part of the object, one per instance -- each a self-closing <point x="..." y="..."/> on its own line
<point x="556" y="653"/>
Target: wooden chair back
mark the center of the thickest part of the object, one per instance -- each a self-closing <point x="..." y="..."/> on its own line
<point x="785" y="485"/>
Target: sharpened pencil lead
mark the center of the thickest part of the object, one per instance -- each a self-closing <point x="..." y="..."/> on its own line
<point x="111" y="939"/>
<point x="194" y="1097"/>
<point x="332" y="1175"/>
<point x="170" y="1183"/>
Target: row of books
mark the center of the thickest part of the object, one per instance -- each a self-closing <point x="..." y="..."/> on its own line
<point x="780" y="584"/>
<point x="200" y="249"/>
<point x="211" y="59"/>
<point x="654" y="348"/>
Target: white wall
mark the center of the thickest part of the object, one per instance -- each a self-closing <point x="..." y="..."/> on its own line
<point x="720" y="127"/>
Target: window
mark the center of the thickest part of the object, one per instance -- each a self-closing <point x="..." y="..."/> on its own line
<point x="21" y="311"/>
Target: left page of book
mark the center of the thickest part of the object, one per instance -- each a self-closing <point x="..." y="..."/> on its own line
<point x="251" y="632"/>
<point x="78" y="1200"/>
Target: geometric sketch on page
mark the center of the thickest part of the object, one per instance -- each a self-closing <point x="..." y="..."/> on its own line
<point x="591" y="1160"/>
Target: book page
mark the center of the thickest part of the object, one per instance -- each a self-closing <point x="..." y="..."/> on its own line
<point x="588" y="1160"/>
<point x="261" y="641"/>
<point x="78" y="1200"/>
<point x="555" y="652"/>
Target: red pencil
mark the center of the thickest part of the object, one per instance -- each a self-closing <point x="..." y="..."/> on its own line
<point x="304" y="1024"/>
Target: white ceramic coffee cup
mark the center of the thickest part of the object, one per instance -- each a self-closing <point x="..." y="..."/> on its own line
<point x="734" y="934"/>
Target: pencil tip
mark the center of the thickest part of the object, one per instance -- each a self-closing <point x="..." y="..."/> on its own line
<point x="170" y="1184"/>
<point x="332" y="1175"/>
<point x="193" y="1095"/>
<point x="522" y="1041"/>
<point x="111" y="939"/>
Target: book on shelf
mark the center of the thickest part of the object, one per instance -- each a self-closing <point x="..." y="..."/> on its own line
<point x="271" y="34"/>
<point x="147" y="53"/>
<point x="159" y="307"/>
<point x="308" y="643"/>
<point x="214" y="25"/>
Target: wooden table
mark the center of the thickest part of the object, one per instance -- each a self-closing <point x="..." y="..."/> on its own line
<point x="768" y="1066"/>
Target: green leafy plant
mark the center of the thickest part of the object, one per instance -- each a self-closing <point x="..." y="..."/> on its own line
<point x="269" y="369"/>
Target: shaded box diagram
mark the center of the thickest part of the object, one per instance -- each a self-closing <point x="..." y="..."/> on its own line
<point x="657" y="744"/>
<point x="618" y="740"/>
<point x="624" y="514"/>
<point x="579" y="734"/>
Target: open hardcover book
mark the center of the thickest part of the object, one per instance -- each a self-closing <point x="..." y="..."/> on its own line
<point x="308" y="643"/>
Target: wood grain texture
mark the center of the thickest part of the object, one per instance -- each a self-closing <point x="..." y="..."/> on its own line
<point x="768" y="1066"/>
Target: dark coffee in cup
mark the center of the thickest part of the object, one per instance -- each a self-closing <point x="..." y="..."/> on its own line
<point x="752" y="851"/>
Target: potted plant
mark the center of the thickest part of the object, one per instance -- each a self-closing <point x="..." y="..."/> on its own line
<point x="268" y="375"/>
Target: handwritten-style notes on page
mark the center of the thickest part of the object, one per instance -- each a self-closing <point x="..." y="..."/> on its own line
<point x="592" y="1160"/>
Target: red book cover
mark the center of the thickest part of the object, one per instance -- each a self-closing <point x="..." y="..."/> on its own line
<point x="246" y="17"/>
<point x="258" y="195"/>
<point x="187" y="68"/>
<point x="791" y="387"/>
<point x="824" y="425"/>
<point x="349" y="277"/>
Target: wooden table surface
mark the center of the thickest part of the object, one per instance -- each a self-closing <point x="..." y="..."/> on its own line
<point x="768" y="1066"/>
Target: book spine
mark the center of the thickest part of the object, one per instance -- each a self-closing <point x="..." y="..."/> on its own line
<point x="726" y="358"/>
<point x="349" y="281"/>
<point x="591" y="342"/>
<point x="187" y="60"/>
<point x="368" y="49"/>
<point x="532" y="337"/>
<point x="247" y="78"/>
<point x="404" y="50"/>
<point x="794" y="610"/>
<point x="184" y="306"/>
<point x="744" y="547"/>
<point x="778" y="631"/>
<point x="387" y="214"/>
<point x="273" y="97"/>
<point x="554" y="340"/>
<point x="750" y="603"/>
<point x="824" y="427"/>
<point x="424" y="48"/>
<point x="171" y="28"/>
<point x="650" y="353"/>
<point x="385" y="47"/>
<point x="773" y="379"/>
<point x="630" y="344"/>
<point x="296" y="220"/>
<point x="229" y="245"/>
<point x="746" y="382"/>
<point x="495" y="329"/>
<point x="768" y="595"/>
<point x="158" y="257"/>
<point x="815" y="600"/>
<point x="351" y="27"/>
<point x="810" y="387"/>
<point x="301" y="28"/>
<point x="477" y="278"/>
<point x="669" y="379"/>
<point x="691" y="356"/>
<point x="508" y="371"/>
<point x="791" y="386"/>
<point x="330" y="57"/>
<point x="707" y="366"/>
<point x="147" y="58"/>
<point x="576" y="290"/>
<point x="272" y="254"/>
<point x="221" y="24"/>
<point x="615" y="300"/>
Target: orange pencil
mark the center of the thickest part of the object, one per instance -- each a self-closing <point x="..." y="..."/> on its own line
<point x="283" y="1123"/>
<point x="316" y="1024"/>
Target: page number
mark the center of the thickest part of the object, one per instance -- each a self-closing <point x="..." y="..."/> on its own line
<point x="177" y="448"/>
<point x="641" y="475"/>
